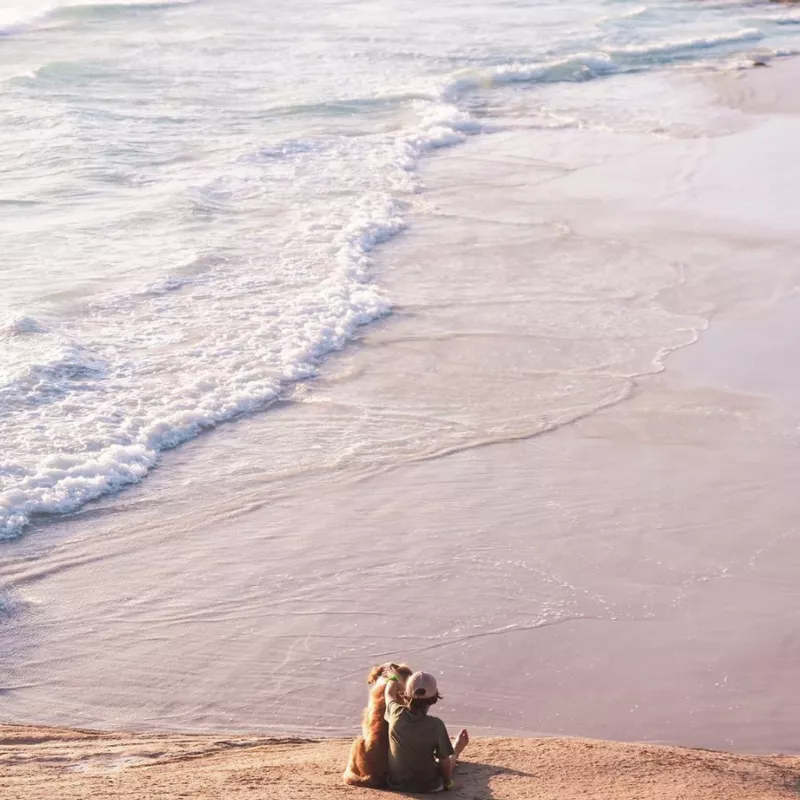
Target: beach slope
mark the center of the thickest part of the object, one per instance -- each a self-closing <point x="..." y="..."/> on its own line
<point x="61" y="763"/>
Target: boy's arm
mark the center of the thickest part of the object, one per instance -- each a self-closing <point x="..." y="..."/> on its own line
<point x="392" y="690"/>
<point x="446" y="766"/>
<point x="447" y="758"/>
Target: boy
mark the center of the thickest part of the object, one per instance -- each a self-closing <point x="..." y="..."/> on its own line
<point x="421" y="755"/>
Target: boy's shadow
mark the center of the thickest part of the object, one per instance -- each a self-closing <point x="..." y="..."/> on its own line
<point x="473" y="780"/>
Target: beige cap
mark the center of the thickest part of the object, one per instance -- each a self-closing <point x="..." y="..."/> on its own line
<point x="421" y="686"/>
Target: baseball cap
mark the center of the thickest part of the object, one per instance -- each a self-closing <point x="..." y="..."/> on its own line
<point x="421" y="686"/>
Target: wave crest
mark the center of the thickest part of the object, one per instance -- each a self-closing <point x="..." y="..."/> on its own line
<point x="20" y="19"/>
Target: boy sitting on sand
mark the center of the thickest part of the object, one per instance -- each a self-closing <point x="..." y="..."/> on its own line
<point x="421" y="756"/>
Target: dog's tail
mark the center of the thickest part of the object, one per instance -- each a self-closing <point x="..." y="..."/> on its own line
<point x="353" y="775"/>
<point x="364" y="781"/>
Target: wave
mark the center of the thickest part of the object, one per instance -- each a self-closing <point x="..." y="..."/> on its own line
<point x="7" y="605"/>
<point x="782" y="20"/>
<point x="586" y="66"/>
<point x="118" y="6"/>
<point x="20" y="18"/>
<point x="573" y="68"/>
<point x="15" y="21"/>
<point x="125" y="422"/>
<point x="624" y="16"/>
<point x="40" y="367"/>
<point x="70" y="370"/>
<point x="687" y="46"/>
<point x="21" y="326"/>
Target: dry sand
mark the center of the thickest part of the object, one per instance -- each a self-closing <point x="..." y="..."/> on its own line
<point x="81" y="764"/>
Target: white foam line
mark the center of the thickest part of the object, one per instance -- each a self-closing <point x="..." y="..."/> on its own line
<point x="697" y="43"/>
<point x="587" y="65"/>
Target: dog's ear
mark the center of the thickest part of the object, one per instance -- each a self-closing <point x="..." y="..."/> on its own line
<point x="374" y="674"/>
<point x="404" y="671"/>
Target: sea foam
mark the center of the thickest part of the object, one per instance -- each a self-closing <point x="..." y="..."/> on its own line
<point x="114" y="417"/>
<point x="19" y="19"/>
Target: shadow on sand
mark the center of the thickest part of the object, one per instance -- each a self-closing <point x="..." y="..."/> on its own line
<point x="473" y="782"/>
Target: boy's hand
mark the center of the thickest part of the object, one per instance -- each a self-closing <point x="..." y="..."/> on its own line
<point x="392" y="688"/>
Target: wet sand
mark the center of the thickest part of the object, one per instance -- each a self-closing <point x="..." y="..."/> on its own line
<point x="79" y="764"/>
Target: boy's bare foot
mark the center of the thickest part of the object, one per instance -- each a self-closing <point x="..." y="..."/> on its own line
<point x="461" y="742"/>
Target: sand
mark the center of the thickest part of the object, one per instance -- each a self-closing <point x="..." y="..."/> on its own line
<point x="76" y="764"/>
<point x="771" y="90"/>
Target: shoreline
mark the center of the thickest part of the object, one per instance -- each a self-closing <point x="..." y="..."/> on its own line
<point x="660" y="619"/>
<point x="76" y="763"/>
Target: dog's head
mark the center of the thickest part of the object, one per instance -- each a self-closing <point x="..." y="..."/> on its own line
<point x="403" y="671"/>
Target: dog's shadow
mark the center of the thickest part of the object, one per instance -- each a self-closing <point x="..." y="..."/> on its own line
<point x="473" y="782"/>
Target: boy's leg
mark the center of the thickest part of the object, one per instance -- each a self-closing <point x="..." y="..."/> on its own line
<point x="459" y="743"/>
<point x="449" y="764"/>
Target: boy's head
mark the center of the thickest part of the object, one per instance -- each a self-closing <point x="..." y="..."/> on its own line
<point x="421" y="691"/>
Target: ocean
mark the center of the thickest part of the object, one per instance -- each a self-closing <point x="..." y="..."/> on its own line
<point x="262" y="262"/>
<point x="193" y="193"/>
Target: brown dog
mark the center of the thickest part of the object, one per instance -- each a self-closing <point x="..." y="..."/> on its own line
<point x="368" y="765"/>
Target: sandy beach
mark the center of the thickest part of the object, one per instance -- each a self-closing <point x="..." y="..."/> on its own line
<point x="618" y="531"/>
<point x="78" y="764"/>
<point x="605" y="550"/>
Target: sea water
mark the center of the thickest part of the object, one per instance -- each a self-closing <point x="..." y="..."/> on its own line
<point x="193" y="192"/>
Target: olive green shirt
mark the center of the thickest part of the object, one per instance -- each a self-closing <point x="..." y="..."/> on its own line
<point x="416" y="742"/>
